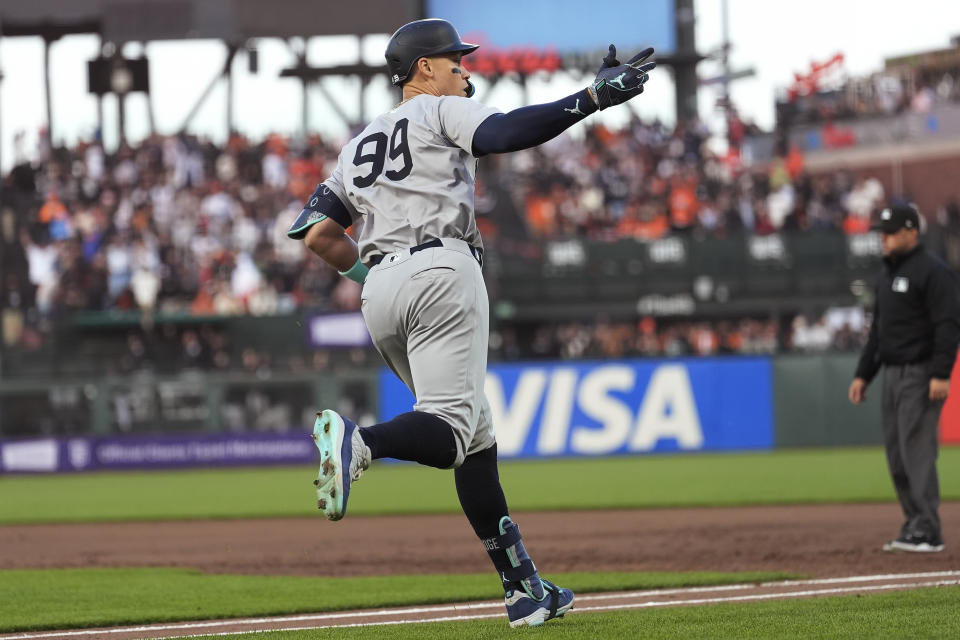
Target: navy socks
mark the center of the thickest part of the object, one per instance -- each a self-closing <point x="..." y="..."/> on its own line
<point x="415" y="436"/>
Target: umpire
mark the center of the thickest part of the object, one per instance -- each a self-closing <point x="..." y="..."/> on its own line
<point x="915" y="334"/>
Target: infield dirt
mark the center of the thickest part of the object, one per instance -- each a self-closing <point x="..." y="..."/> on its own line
<point x="815" y="540"/>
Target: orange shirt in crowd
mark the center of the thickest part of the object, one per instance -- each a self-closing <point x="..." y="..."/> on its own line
<point x="795" y="162"/>
<point x="647" y="325"/>
<point x="645" y="229"/>
<point x="853" y="225"/>
<point x="733" y="341"/>
<point x="604" y="135"/>
<point x="683" y="205"/>
<point x="305" y="175"/>
<point x="202" y="304"/>
<point x="275" y="143"/>
<point x="141" y="218"/>
<point x="52" y="209"/>
<point x="731" y="160"/>
<point x="541" y="215"/>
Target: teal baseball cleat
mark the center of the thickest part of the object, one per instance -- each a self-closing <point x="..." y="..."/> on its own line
<point x="343" y="459"/>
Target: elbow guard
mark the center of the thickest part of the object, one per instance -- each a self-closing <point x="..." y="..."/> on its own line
<point x="323" y="204"/>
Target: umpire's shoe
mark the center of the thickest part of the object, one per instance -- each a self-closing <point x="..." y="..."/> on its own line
<point x="915" y="543"/>
<point x="343" y="458"/>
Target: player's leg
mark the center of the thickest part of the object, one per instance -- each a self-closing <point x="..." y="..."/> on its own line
<point x="530" y="599"/>
<point x="346" y="450"/>
<point x="415" y="436"/>
<point x="447" y="341"/>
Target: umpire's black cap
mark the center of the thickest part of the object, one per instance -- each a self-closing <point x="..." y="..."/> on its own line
<point x="901" y="216"/>
<point x="422" y="39"/>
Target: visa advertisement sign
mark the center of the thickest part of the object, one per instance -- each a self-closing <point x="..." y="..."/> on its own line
<point x="621" y="407"/>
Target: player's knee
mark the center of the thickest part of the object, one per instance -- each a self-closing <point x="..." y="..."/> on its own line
<point x="461" y="452"/>
<point x="457" y="443"/>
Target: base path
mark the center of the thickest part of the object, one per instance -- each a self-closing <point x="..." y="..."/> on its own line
<point x="596" y="602"/>
<point x="814" y="540"/>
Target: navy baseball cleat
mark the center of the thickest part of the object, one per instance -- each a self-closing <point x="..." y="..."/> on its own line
<point x="524" y="610"/>
<point x="343" y="459"/>
<point x="530" y="599"/>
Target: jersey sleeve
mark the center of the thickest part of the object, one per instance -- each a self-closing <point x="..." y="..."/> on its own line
<point x="459" y="119"/>
<point x="329" y="200"/>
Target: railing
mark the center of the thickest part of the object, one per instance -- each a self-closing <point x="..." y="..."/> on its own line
<point x="193" y="401"/>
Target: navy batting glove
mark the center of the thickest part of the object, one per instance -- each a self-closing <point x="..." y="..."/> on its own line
<point x="616" y="83"/>
<point x="610" y="61"/>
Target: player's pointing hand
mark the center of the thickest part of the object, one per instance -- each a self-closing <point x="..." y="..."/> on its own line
<point x="616" y="83"/>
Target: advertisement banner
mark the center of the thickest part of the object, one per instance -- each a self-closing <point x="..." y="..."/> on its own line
<point x="621" y="407"/>
<point x="338" y="330"/>
<point x="155" y="452"/>
<point x="950" y="416"/>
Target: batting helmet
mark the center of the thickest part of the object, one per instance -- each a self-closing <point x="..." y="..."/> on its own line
<point x="421" y="39"/>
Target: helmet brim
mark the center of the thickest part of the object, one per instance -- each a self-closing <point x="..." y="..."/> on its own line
<point x="465" y="48"/>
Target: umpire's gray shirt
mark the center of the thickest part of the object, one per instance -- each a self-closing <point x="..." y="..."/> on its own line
<point x="409" y="176"/>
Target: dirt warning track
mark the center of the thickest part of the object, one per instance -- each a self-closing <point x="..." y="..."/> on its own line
<point x="813" y="540"/>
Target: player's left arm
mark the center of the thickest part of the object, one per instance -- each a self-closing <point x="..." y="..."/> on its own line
<point x="533" y="125"/>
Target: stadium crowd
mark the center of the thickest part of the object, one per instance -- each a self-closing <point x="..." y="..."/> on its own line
<point x="838" y="329"/>
<point x="913" y="84"/>
<point x="177" y="224"/>
<point x="174" y="224"/>
<point x="647" y="181"/>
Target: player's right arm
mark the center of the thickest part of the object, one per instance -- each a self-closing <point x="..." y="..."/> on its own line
<point x="533" y="125"/>
<point x="323" y="224"/>
<point x="331" y="242"/>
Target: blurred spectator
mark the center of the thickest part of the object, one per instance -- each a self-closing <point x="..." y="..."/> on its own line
<point x="42" y="260"/>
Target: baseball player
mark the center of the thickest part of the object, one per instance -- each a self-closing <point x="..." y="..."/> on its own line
<point x="407" y="183"/>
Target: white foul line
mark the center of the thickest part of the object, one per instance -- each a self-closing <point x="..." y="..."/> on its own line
<point x="486" y="605"/>
<point x="773" y="596"/>
<point x="779" y="583"/>
<point x="613" y="607"/>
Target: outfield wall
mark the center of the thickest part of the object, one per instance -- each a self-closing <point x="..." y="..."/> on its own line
<point x="812" y="409"/>
<point x="550" y="409"/>
<point x="695" y="404"/>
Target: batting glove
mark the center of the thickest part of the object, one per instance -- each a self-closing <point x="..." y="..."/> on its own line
<point x="616" y="83"/>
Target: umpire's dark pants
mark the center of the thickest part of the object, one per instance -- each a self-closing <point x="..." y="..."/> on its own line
<point x="910" y="436"/>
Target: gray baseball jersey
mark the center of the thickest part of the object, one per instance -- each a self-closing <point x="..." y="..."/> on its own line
<point x="409" y="176"/>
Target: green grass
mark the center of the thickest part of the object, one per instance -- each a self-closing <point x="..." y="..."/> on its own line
<point x="69" y="598"/>
<point x="912" y="615"/>
<point x="780" y="477"/>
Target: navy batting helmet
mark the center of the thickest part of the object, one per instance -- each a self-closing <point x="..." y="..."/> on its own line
<point x="421" y="39"/>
